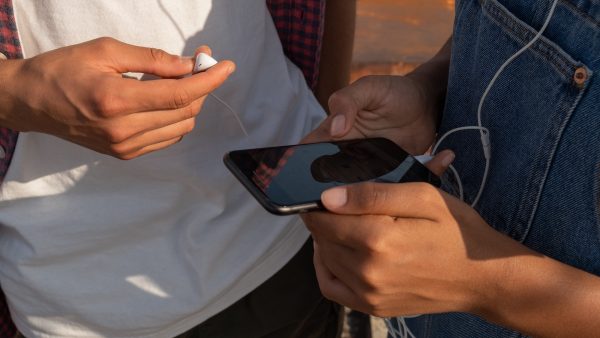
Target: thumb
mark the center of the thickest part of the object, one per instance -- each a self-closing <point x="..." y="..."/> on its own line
<point x="345" y="104"/>
<point x="440" y="162"/>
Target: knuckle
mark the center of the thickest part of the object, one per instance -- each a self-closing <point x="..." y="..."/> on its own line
<point x="126" y="157"/>
<point x="192" y="110"/>
<point x="189" y="125"/>
<point x="158" y="55"/>
<point x="104" y="104"/>
<point x="181" y="98"/>
<point x="335" y="98"/>
<point x="378" y="312"/>
<point x="370" y="278"/>
<point x="119" y="151"/>
<point x="368" y="196"/>
<point x="116" y="135"/>
<point x="426" y="193"/>
<point x="327" y="292"/>
<point x="104" y="44"/>
<point x="342" y="102"/>
<point x="374" y="244"/>
<point x="371" y="302"/>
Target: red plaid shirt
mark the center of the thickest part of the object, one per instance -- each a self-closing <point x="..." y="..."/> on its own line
<point x="300" y="27"/>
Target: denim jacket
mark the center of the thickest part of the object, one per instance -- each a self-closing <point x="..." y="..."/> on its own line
<point x="543" y="114"/>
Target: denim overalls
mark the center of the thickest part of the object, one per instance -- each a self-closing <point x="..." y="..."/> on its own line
<point x="543" y="114"/>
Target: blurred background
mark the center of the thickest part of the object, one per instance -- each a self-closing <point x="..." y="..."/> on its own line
<point x="394" y="37"/>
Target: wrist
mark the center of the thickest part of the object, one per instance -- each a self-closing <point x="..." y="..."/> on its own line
<point x="432" y="83"/>
<point x="432" y="78"/>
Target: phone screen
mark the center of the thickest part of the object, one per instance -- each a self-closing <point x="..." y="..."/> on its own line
<point x="290" y="179"/>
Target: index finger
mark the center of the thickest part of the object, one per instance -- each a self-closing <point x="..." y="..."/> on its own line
<point x="345" y="104"/>
<point x="133" y="96"/>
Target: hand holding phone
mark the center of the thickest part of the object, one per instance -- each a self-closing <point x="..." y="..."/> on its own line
<point x="290" y="179"/>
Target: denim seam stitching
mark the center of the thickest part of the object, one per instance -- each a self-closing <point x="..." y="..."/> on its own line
<point x="584" y="15"/>
<point x="524" y="33"/>
<point x="553" y="148"/>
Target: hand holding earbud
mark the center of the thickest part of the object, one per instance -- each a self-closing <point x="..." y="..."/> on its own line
<point x="78" y="93"/>
<point x="203" y="62"/>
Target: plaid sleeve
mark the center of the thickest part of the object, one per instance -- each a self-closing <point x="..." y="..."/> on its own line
<point x="7" y="328"/>
<point x="9" y="46"/>
<point x="300" y="25"/>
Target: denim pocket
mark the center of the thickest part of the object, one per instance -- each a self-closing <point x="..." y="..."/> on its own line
<point x="526" y="110"/>
<point x="544" y="125"/>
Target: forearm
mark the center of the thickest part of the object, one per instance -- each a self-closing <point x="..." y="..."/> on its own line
<point x="545" y="298"/>
<point x="336" y="53"/>
<point x="433" y="77"/>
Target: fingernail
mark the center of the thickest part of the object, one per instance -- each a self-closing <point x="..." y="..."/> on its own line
<point x="335" y="198"/>
<point x="448" y="158"/>
<point x="338" y="125"/>
<point x="230" y="69"/>
<point x="204" y="49"/>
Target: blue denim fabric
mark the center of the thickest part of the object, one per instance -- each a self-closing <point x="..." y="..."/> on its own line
<point x="544" y="183"/>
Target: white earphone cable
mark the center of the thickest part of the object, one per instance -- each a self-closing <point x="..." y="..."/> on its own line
<point x="237" y="117"/>
<point x="485" y="135"/>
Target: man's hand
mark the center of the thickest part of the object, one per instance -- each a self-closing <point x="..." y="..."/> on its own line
<point x="395" y="107"/>
<point x="406" y="249"/>
<point x="403" y="249"/>
<point x="405" y="109"/>
<point x="78" y="93"/>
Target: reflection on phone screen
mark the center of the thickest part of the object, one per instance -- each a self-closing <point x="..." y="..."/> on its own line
<point x="298" y="174"/>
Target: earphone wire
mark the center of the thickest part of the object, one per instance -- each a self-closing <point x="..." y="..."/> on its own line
<point x="484" y="133"/>
<point x="235" y="115"/>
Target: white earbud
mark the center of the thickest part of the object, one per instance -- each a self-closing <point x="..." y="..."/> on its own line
<point x="203" y="62"/>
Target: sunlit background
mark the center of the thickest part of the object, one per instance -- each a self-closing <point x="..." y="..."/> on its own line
<point x="394" y="36"/>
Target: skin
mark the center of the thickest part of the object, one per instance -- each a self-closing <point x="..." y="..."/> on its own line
<point x="405" y="249"/>
<point x="78" y="93"/>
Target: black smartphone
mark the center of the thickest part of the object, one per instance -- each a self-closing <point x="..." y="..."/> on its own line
<point x="290" y="179"/>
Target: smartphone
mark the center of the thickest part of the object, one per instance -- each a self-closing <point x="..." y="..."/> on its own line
<point x="290" y="179"/>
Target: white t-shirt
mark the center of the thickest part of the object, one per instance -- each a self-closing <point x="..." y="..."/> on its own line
<point x="94" y="246"/>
